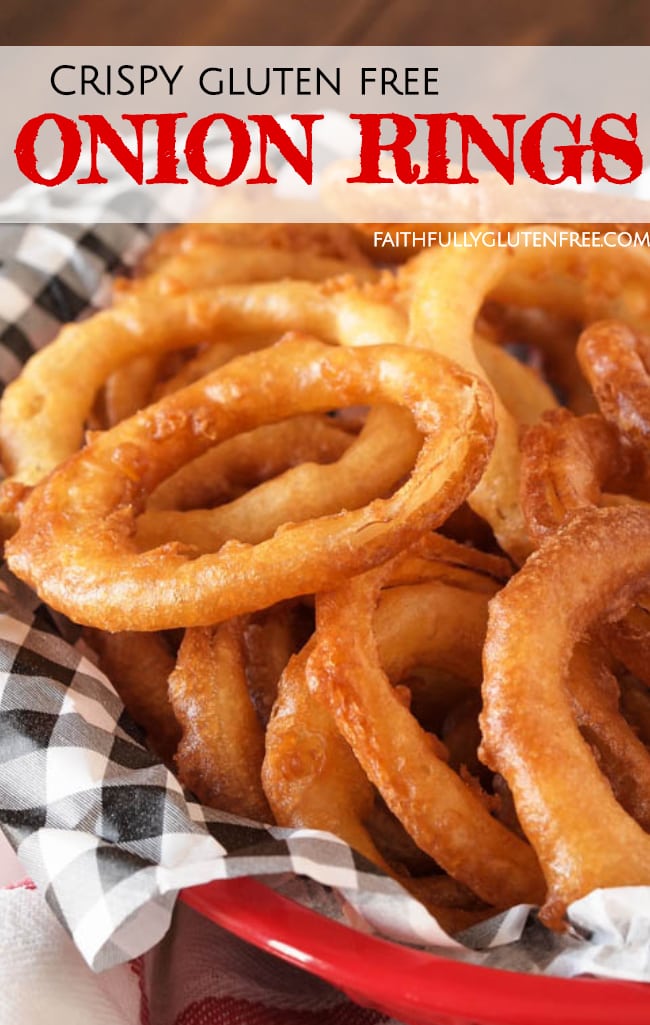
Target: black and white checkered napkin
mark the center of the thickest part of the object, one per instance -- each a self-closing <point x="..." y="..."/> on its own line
<point x="102" y="827"/>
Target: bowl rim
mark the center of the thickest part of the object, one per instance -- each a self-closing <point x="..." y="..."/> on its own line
<point x="406" y="981"/>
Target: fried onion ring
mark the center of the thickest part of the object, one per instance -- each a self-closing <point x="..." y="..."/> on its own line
<point x="616" y="362"/>
<point x="139" y="665"/>
<point x="75" y="543"/>
<point x="442" y="814"/>
<point x="446" y="289"/>
<point x="313" y="780"/>
<point x="569" y="463"/>
<point x="310" y="776"/>
<point x="372" y="465"/>
<point x="583" y="837"/>
<point x="220" y="753"/>
<point x="624" y="759"/>
<point x="43" y="412"/>
<point x="249" y="458"/>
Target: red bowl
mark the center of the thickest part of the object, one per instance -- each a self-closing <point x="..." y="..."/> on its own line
<point x="413" y="986"/>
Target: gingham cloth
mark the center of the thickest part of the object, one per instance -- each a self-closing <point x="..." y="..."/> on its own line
<point x="103" y="829"/>
<point x="102" y="826"/>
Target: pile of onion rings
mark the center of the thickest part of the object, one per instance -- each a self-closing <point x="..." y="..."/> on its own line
<point x="351" y="563"/>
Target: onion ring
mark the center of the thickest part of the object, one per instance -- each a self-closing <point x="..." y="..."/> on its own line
<point x="139" y="665"/>
<point x="220" y="753"/>
<point x="583" y="838"/>
<point x="446" y="291"/>
<point x="372" y="465"/>
<point x="569" y="463"/>
<point x="75" y="547"/>
<point x="441" y="813"/>
<point x="616" y="362"/>
<point x="205" y="256"/>
<point x="313" y="780"/>
<point x="43" y="412"/>
<point x="249" y="458"/>
<point x="446" y="288"/>
<point x="310" y="776"/>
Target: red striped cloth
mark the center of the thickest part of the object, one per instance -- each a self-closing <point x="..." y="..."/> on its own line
<point x="198" y="975"/>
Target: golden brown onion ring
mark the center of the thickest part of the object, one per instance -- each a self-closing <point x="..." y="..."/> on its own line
<point x="310" y="776"/>
<point x="444" y="817"/>
<point x="250" y="458"/>
<point x="312" y="780"/>
<point x="622" y="756"/>
<point x="616" y="362"/>
<point x="139" y="665"/>
<point x="371" y="466"/>
<point x="569" y="463"/>
<point x="43" y="412"/>
<point x="583" y="837"/>
<point x="205" y="256"/>
<point x="220" y="753"/>
<point x="446" y="288"/>
<point x="75" y="543"/>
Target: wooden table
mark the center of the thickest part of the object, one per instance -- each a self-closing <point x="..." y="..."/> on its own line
<point x="254" y="22"/>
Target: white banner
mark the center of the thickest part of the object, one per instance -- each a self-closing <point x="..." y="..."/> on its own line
<point x="391" y="134"/>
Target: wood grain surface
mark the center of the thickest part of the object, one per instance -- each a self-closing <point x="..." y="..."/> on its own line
<point x="254" y="22"/>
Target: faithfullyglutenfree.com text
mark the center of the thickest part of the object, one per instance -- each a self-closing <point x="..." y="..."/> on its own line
<point x="511" y="238"/>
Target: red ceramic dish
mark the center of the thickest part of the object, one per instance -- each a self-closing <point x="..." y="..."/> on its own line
<point x="415" y="987"/>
